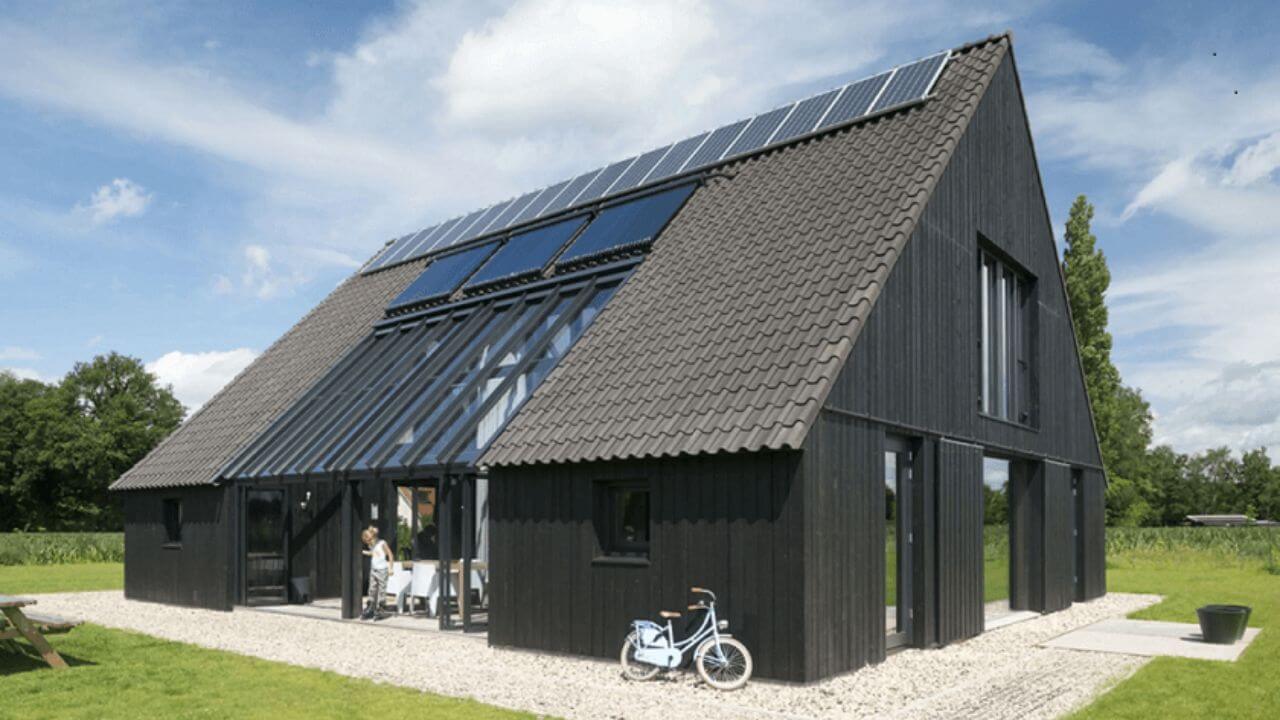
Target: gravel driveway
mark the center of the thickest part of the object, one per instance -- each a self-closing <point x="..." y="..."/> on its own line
<point x="1001" y="674"/>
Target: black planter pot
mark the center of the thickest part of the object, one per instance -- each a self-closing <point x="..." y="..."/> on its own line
<point x="1223" y="624"/>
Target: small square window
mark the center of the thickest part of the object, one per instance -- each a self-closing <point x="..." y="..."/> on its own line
<point x="172" y="521"/>
<point x="622" y="518"/>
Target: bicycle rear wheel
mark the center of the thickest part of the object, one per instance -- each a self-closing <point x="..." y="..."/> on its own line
<point x="633" y="669"/>
<point x="728" y="670"/>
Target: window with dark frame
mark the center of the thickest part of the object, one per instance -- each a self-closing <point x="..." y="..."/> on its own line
<point x="172" y="521"/>
<point x="1007" y="308"/>
<point x="622" y="518"/>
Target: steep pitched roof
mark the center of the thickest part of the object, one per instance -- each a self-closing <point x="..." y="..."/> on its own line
<point x="731" y="333"/>
<point x="193" y="454"/>
<point x="728" y="337"/>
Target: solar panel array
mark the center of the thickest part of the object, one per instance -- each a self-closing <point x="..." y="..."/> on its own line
<point x="614" y="233"/>
<point x="898" y="87"/>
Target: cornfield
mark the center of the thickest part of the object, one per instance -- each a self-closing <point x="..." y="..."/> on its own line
<point x="1236" y="543"/>
<point x="60" y="548"/>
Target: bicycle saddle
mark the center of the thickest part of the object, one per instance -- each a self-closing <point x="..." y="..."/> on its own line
<point x="668" y="614"/>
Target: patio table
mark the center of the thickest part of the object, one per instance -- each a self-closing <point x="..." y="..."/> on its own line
<point x="33" y="627"/>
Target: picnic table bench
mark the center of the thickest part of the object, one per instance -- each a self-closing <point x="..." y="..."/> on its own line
<point x="33" y="626"/>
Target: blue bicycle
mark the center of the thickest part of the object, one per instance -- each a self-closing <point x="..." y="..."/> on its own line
<point x="722" y="661"/>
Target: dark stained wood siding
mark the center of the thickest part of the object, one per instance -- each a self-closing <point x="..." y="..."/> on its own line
<point x="916" y="362"/>
<point x="1093" y="574"/>
<point x="732" y="523"/>
<point x="315" y="536"/>
<point x="1026" y="535"/>
<point x="844" y="588"/>
<point x="960" y="561"/>
<point x="1042" y="516"/>
<point x="1059" y="541"/>
<point x="199" y="573"/>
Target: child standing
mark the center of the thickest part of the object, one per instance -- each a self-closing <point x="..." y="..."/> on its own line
<point x="379" y="565"/>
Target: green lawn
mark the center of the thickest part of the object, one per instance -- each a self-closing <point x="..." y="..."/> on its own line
<point x="80" y="577"/>
<point x="995" y="571"/>
<point x="117" y="674"/>
<point x="1178" y="688"/>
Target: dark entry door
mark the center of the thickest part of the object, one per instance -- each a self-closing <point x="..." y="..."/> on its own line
<point x="266" y="564"/>
<point x="899" y="479"/>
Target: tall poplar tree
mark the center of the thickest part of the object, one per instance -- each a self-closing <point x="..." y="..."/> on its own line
<point x="1123" y="418"/>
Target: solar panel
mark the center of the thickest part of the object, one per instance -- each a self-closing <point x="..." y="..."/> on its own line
<point x="639" y="169"/>
<point x="627" y="225"/>
<point x="570" y="193"/>
<point x="531" y="210"/>
<point x="713" y="149"/>
<point x="674" y="160"/>
<point x="602" y="182"/>
<point x="527" y="252"/>
<point x="383" y="256"/>
<point x="459" y="232"/>
<point x="432" y="242"/>
<point x="855" y="100"/>
<point x="903" y="85"/>
<point x="416" y="243"/>
<point x="910" y="82"/>
<point x="539" y="203"/>
<point x="504" y="220"/>
<point x="482" y="225"/>
<point x="806" y="116"/>
<point x="759" y="131"/>
<point x="443" y="275"/>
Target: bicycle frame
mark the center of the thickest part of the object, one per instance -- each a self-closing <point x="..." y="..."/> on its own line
<point x="710" y="627"/>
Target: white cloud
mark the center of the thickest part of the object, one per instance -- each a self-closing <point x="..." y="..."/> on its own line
<point x="1188" y="321"/>
<point x="24" y="373"/>
<point x="441" y="107"/>
<point x="198" y="376"/>
<point x="15" y="352"/>
<point x="261" y="278"/>
<point x="119" y="198"/>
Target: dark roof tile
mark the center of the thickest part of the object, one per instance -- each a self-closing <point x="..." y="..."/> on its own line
<point x="194" y="453"/>
<point x="731" y="333"/>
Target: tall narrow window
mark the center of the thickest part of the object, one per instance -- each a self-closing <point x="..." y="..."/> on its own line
<point x="172" y="521"/>
<point x="1006" y="306"/>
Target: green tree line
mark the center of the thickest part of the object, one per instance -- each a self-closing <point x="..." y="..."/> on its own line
<point x="1148" y="485"/>
<point x="62" y="444"/>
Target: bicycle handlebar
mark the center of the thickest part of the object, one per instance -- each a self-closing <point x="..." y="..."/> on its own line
<point x="703" y="591"/>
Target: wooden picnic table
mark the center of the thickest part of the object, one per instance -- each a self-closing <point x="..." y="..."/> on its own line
<point x="33" y="627"/>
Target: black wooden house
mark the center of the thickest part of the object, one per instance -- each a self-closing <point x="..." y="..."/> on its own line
<point x="715" y="363"/>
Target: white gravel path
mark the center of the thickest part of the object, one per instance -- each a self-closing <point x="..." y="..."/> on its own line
<point x="1001" y="674"/>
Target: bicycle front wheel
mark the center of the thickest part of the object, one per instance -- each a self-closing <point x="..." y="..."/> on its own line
<point x="728" y="669"/>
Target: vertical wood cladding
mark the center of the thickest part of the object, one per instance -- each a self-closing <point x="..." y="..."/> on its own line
<point x="1059" y="541"/>
<point x="1093" y="574"/>
<point x="732" y="523"/>
<point x="844" y="547"/>
<point x="1042" y="516"/>
<point x="198" y="572"/>
<point x="960" y="543"/>
<point x="1026" y="535"/>
<point x="916" y="362"/>
<point x="315" y="536"/>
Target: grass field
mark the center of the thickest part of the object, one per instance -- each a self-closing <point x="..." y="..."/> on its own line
<point x="1177" y="688"/>
<point x="128" y="675"/>
<point x="117" y="674"/>
<point x="80" y="577"/>
<point x="57" y="548"/>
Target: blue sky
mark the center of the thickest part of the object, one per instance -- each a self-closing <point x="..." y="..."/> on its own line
<point x="183" y="181"/>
